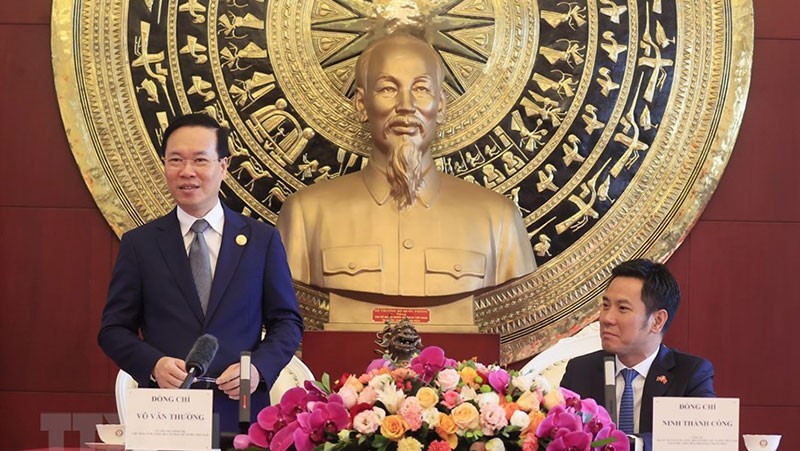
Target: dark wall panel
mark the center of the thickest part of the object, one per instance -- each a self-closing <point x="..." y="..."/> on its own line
<point x="750" y="303"/>
<point x="772" y="420"/>
<point x="26" y="12"/>
<point x="37" y="167"/>
<point x="760" y="181"/>
<point x="678" y="334"/>
<point x="56" y="263"/>
<point x="776" y="19"/>
<point x="41" y="419"/>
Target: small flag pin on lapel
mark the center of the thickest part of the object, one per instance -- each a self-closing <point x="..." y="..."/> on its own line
<point x="662" y="379"/>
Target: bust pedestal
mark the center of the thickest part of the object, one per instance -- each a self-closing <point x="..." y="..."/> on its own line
<point x="350" y="311"/>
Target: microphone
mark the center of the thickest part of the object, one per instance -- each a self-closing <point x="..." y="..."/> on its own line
<point x="244" y="391"/>
<point x="610" y="371"/>
<point x="199" y="358"/>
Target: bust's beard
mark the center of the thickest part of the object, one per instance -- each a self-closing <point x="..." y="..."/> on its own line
<point x="404" y="171"/>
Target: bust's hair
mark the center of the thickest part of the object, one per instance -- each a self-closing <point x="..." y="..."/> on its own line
<point x="362" y="65"/>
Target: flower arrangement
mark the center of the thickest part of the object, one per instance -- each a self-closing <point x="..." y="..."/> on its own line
<point x="433" y="403"/>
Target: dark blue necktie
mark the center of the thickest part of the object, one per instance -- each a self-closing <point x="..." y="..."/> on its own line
<point x="200" y="262"/>
<point x="626" y="404"/>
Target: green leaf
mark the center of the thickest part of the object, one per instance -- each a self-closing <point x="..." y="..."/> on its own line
<point x="380" y="442"/>
<point x="604" y="442"/>
<point x="326" y="383"/>
<point x="422" y="432"/>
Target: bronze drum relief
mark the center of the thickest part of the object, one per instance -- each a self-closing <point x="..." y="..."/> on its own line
<point x="608" y="122"/>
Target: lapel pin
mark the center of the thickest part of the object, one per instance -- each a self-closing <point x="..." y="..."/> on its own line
<point x="241" y="240"/>
<point x="662" y="379"/>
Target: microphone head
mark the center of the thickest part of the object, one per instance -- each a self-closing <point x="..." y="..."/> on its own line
<point x="201" y="354"/>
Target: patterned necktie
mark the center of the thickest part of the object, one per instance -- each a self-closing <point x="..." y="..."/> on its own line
<point x="201" y="263"/>
<point x="626" y="404"/>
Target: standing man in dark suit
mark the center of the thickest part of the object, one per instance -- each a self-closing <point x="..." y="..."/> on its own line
<point x="638" y="307"/>
<point x="244" y="282"/>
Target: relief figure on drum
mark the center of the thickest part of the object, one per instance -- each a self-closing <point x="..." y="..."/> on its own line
<point x="400" y="227"/>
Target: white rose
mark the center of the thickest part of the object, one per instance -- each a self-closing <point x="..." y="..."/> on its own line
<point x="495" y="444"/>
<point x="448" y="379"/>
<point x="523" y="383"/>
<point x="543" y="383"/>
<point x="520" y="419"/>
<point x="380" y="413"/>
<point x="431" y="417"/>
<point x="468" y="393"/>
<point x="488" y="399"/>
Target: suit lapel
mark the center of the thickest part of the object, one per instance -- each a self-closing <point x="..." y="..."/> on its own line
<point x="599" y="379"/>
<point x="229" y="253"/>
<point x="170" y="241"/>
<point x="658" y="381"/>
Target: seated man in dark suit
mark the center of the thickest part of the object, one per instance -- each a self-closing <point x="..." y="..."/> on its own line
<point x="638" y="306"/>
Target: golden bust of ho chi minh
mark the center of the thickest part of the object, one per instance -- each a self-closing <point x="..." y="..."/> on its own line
<point x="399" y="226"/>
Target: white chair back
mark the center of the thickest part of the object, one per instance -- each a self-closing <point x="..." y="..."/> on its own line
<point x="293" y="375"/>
<point x="124" y="382"/>
<point x="552" y="362"/>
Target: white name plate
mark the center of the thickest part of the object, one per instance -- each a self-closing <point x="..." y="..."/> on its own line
<point x="685" y="424"/>
<point x="175" y="420"/>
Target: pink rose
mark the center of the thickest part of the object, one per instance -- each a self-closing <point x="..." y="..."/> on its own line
<point x="367" y="422"/>
<point x="411" y="411"/>
<point x="349" y="396"/>
<point x="368" y="395"/>
<point x="493" y="418"/>
<point x="451" y="399"/>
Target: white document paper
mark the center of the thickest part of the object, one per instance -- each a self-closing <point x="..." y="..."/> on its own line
<point x="686" y="424"/>
<point x="161" y="419"/>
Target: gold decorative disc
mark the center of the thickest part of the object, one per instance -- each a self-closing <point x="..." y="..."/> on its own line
<point x="608" y="122"/>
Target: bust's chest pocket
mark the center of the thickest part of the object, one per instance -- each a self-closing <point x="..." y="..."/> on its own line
<point x="453" y="270"/>
<point x="353" y="268"/>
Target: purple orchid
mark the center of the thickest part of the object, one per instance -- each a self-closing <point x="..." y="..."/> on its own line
<point x="499" y="380"/>
<point x="315" y="392"/>
<point x="284" y="439"/>
<point x="595" y="417"/>
<point x="558" y="422"/>
<point x="324" y="418"/>
<point x="569" y="393"/>
<point x="570" y="441"/>
<point x="293" y="402"/>
<point x="429" y="362"/>
<point x="377" y="364"/>
<point x="620" y="439"/>
<point x="241" y="441"/>
<point x="271" y="420"/>
<point x="259" y="436"/>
